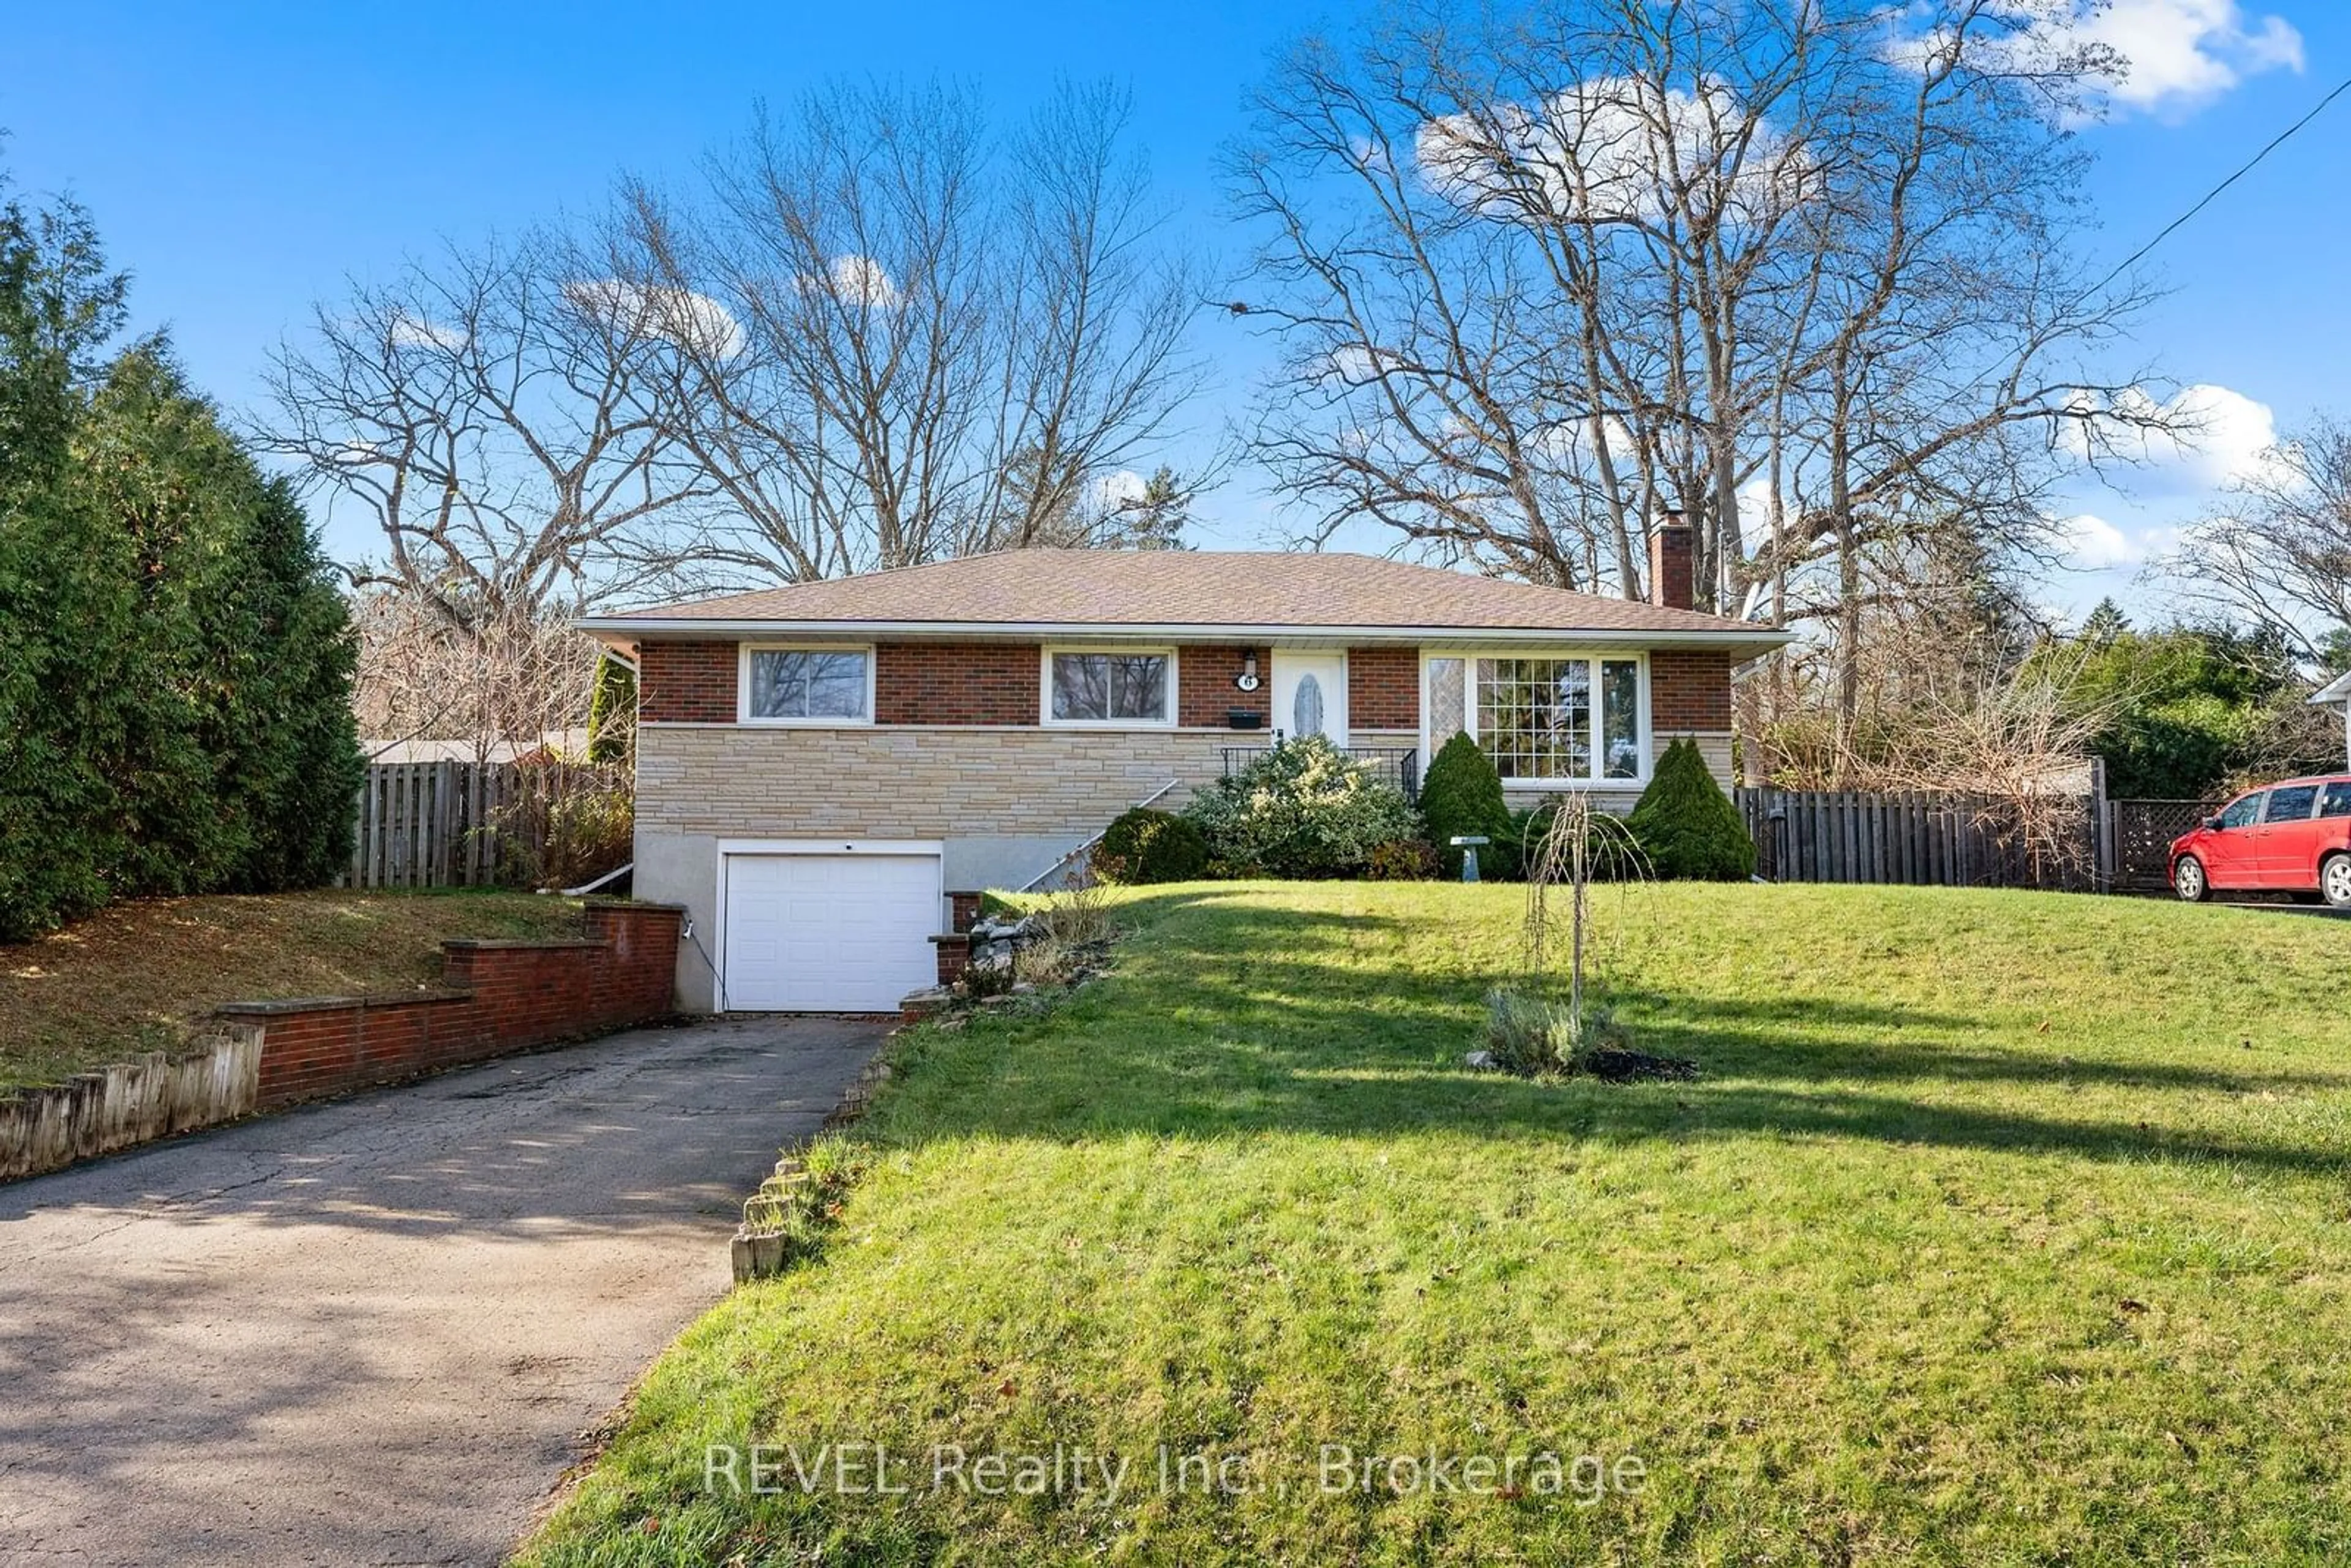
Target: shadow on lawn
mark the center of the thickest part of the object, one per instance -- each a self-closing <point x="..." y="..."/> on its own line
<point x="1274" y="1033"/>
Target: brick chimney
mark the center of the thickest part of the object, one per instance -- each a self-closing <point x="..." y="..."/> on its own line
<point x="1672" y="583"/>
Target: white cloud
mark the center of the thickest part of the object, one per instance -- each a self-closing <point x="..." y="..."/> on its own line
<point x="2210" y="437"/>
<point x="2095" y="544"/>
<point x="1120" y="487"/>
<point x="2224" y="437"/>
<point x="1606" y="149"/>
<point x="856" y="280"/>
<point x="678" y="316"/>
<point x="1356" y="364"/>
<point x="414" y="332"/>
<point x="2183" y="54"/>
<point x="2177" y="55"/>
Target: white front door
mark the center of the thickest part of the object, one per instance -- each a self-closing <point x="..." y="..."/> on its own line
<point x="1309" y="693"/>
<point x="828" y="933"/>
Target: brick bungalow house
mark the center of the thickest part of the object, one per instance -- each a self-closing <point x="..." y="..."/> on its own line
<point x="829" y="773"/>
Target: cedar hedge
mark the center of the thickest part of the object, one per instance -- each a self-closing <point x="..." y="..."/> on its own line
<point x="175" y="664"/>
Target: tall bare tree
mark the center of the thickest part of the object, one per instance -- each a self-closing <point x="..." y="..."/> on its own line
<point x="1539" y="277"/>
<point x="950" y="339"/>
<point x="2278" y="549"/>
<point x="501" y="416"/>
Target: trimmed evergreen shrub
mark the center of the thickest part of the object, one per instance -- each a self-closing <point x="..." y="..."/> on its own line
<point x="1461" y="797"/>
<point x="1404" y="859"/>
<point x="1303" y="808"/>
<point x="1687" y="826"/>
<point x="1143" y="846"/>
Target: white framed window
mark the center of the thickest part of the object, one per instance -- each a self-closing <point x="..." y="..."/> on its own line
<point x="1123" y="689"/>
<point x="790" y="684"/>
<point x="1549" y="719"/>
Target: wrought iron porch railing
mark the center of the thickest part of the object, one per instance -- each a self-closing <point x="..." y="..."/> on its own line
<point x="1399" y="765"/>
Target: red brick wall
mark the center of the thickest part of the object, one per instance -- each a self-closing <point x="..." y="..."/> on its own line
<point x="497" y="998"/>
<point x="952" y="682"/>
<point x="1205" y="693"/>
<point x="1673" y="581"/>
<point x="686" y="683"/>
<point x="1690" y="689"/>
<point x="1383" y="688"/>
<point x="1001" y="684"/>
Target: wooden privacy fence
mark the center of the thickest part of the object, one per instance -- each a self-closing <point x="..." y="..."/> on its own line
<point x="1924" y="840"/>
<point x="431" y="824"/>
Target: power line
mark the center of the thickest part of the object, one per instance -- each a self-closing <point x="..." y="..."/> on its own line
<point x="2210" y="196"/>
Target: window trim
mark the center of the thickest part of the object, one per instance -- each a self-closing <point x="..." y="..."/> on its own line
<point x="742" y="715"/>
<point x="1169" y="705"/>
<point x="2260" y="798"/>
<point x="2269" y="807"/>
<point x="1470" y="654"/>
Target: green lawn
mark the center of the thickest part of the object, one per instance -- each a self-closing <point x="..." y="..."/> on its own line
<point x="126" y="979"/>
<point x="2002" y="1229"/>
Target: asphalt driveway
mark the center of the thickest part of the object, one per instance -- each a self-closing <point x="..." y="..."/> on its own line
<point x="378" y="1331"/>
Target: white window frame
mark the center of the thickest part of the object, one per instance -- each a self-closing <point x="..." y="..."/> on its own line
<point x="1645" y="729"/>
<point x="1170" y="704"/>
<point x="742" y="715"/>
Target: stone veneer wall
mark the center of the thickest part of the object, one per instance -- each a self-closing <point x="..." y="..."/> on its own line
<point x="910" y="783"/>
<point x="871" y="782"/>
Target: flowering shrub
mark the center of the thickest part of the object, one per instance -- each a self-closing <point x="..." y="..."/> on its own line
<point x="1304" y="808"/>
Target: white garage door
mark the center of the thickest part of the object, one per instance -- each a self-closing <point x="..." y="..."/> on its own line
<point x="831" y="933"/>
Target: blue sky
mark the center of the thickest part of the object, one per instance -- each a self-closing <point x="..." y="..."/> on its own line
<point x="244" y="160"/>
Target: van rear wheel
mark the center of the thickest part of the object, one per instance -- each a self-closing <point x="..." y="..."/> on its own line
<point x="2335" y="880"/>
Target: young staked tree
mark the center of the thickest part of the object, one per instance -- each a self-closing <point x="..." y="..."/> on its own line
<point x="1802" y="271"/>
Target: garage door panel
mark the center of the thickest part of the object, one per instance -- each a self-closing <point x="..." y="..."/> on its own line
<point x="820" y="933"/>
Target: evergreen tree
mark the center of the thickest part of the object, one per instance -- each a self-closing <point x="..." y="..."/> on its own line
<point x="612" y="712"/>
<point x="1685" y="826"/>
<point x="1461" y="797"/>
<point x="174" y="664"/>
<point x="300" y="771"/>
<point x="66" y="582"/>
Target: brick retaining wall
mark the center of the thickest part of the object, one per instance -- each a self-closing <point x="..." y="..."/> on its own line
<point x="495" y="998"/>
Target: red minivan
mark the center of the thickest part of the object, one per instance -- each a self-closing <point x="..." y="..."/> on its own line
<point x="2294" y="837"/>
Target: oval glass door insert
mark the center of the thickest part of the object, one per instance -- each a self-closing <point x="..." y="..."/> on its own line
<point x="1306" y="707"/>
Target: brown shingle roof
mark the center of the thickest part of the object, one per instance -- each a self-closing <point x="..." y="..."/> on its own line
<point x="1173" y="589"/>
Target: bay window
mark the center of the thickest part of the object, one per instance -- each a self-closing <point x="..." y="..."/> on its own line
<point x="1548" y="719"/>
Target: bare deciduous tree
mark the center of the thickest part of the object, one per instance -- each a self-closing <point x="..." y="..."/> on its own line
<point x="500" y="416"/>
<point x="490" y="682"/>
<point x="949" y="343"/>
<point x="2278" y="551"/>
<point x="1541" y="278"/>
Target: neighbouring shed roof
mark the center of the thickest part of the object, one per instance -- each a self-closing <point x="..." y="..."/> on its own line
<point x="1192" y="592"/>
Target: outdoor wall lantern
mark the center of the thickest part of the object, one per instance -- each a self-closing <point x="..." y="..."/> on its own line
<point x="1247" y="679"/>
